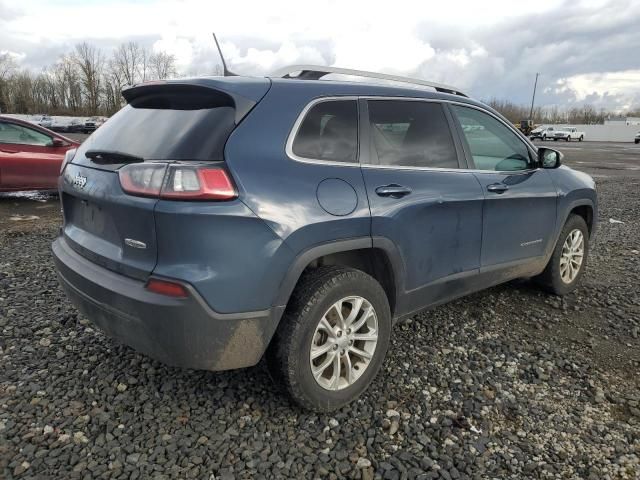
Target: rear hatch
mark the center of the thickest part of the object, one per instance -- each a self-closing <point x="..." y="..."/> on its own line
<point x="164" y="123"/>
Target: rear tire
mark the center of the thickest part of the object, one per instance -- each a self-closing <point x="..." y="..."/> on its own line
<point x="555" y="278"/>
<point x="580" y="139"/>
<point x="303" y="329"/>
<point x="568" y="139"/>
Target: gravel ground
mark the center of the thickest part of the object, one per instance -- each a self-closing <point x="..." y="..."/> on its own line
<point x="507" y="383"/>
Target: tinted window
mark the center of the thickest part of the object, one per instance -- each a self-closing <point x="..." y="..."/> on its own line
<point x="12" y="133"/>
<point x="411" y="134"/>
<point x="329" y="131"/>
<point x="493" y="146"/>
<point x="167" y="127"/>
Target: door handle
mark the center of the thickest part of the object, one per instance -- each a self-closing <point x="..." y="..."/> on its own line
<point x="393" y="191"/>
<point x="497" y="188"/>
<point x="6" y="151"/>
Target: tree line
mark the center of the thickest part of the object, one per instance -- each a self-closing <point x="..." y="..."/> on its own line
<point x="86" y="81"/>
<point x="82" y="82"/>
<point x="583" y="115"/>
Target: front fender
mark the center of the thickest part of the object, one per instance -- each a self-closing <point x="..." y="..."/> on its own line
<point x="575" y="189"/>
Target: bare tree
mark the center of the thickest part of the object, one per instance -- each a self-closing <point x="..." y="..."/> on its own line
<point x="162" y="65"/>
<point x="90" y="62"/>
<point x="112" y="87"/>
<point x="131" y="60"/>
<point x="7" y="65"/>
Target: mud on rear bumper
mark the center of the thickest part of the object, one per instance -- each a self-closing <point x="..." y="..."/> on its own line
<point x="181" y="332"/>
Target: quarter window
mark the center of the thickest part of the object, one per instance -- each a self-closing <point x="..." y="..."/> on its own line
<point x="411" y="134"/>
<point x="493" y="146"/>
<point x="329" y="132"/>
<point x="12" y="133"/>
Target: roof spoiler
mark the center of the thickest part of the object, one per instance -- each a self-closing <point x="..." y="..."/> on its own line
<point x="244" y="99"/>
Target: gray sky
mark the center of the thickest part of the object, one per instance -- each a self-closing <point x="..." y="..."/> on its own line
<point x="585" y="50"/>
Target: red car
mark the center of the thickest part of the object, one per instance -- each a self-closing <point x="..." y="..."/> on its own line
<point x="30" y="155"/>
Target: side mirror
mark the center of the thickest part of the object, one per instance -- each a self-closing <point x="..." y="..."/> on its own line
<point x="549" y="158"/>
<point x="56" y="142"/>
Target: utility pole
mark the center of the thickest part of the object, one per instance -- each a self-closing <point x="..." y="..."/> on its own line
<point x="533" y="98"/>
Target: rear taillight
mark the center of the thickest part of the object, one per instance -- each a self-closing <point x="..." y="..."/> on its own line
<point x="166" y="287"/>
<point x="142" y="179"/>
<point x="177" y="182"/>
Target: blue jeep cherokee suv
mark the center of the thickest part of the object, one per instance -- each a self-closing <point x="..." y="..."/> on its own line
<point x="214" y="221"/>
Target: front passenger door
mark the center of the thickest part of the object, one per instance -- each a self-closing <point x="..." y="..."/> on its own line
<point x="519" y="211"/>
<point x="27" y="159"/>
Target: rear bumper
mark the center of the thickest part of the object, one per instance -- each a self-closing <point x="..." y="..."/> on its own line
<point x="181" y="332"/>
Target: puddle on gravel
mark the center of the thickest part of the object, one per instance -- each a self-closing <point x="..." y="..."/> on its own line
<point x="23" y="218"/>
<point x="28" y="208"/>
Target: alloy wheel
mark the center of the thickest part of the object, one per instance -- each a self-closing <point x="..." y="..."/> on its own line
<point x="572" y="256"/>
<point x="344" y="343"/>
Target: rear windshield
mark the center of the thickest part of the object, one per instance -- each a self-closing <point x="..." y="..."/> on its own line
<point x="159" y="128"/>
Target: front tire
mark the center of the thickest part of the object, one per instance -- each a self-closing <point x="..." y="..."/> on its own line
<point x="569" y="259"/>
<point x="580" y="139"/>
<point x="332" y="339"/>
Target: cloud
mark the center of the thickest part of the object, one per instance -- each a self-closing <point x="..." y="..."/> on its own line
<point x="584" y="50"/>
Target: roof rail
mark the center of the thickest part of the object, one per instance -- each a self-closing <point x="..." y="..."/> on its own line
<point x="316" y="72"/>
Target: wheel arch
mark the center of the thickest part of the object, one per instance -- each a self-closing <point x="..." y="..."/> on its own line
<point x="376" y="257"/>
<point x="583" y="208"/>
<point x="586" y="212"/>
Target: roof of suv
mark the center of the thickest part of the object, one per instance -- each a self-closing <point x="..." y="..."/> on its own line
<point x="253" y="88"/>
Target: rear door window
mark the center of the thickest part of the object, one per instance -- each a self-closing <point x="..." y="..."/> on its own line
<point x="411" y="134"/>
<point x="329" y="132"/>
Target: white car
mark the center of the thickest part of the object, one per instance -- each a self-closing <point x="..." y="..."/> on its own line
<point x="568" y="134"/>
<point x="542" y="133"/>
<point x="43" y="120"/>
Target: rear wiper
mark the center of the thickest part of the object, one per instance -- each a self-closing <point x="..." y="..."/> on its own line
<point x="103" y="157"/>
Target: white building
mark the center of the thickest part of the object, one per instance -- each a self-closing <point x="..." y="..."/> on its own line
<point x="622" y="120"/>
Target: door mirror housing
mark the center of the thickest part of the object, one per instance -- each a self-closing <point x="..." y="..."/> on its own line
<point x="549" y="158"/>
<point x="56" y="142"/>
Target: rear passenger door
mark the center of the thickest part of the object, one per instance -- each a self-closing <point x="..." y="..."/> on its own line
<point x="420" y="198"/>
<point x="520" y="198"/>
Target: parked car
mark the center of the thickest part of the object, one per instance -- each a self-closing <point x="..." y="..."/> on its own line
<point x="542" y="133"/>
<point x="301" y="219"/>
<point x="42" y="120"/>
<point x="92" y="123"/>
<point x="637" y="138"/>
<point x="568" y="134"/>
<point x="69" y="126"/>
<point x="30" y="156"/>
